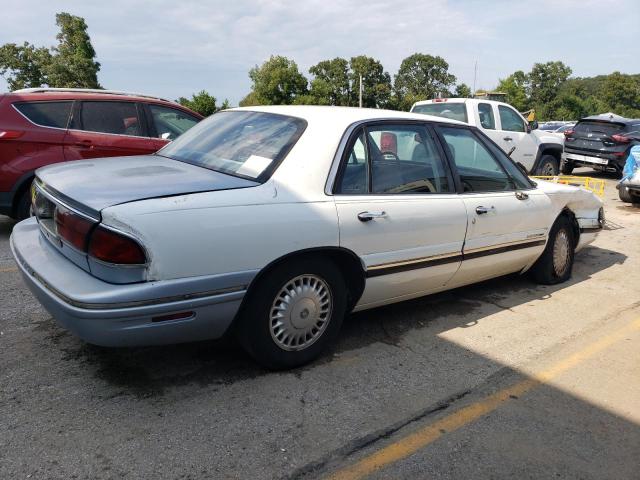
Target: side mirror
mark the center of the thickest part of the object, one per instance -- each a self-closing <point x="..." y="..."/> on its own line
<point x="532" y="126"/>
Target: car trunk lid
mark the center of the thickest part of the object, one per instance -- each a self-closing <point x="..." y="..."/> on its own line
<point x="596" y="136"/>
<point x="93" y="185"/>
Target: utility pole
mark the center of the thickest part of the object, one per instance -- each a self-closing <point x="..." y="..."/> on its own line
<point x="360" y="102"/>
<point x="475" y="75"/>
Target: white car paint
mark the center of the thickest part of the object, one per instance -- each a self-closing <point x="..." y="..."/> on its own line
<point x="247" y="229"/>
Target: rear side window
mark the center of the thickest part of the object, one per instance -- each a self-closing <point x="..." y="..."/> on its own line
<point x="46" y="114"/>
<point x="170" y="123"/>
<point x="487" y="120"/>
<point x="119" y="118"/>
<point x="597" y="128"/>
<point x="454" y="111"/>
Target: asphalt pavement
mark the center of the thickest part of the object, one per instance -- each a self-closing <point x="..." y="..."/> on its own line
<point x="505" y="379"/>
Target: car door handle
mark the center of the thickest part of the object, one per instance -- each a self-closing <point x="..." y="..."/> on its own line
<point x="521" y="196"/>
<point x="84" y="143"/>
<point x="480" y="210"/>
<point x="508" y="139"/>
<point x="367" y="216"/>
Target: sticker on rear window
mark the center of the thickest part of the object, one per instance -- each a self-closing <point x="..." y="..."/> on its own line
<point x="254" y="165"/>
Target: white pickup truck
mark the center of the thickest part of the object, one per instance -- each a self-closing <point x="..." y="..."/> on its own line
<point x="539" y="152"/>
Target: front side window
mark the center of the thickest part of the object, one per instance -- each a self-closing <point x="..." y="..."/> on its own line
<point x="170" y="123"/>
<point x="487" y="120"/>
<point x="119" y="118"/>
<point x="479" y="171"/>
<point x="400" y="159"/>
<point x="46" y="114"/>
<point x="510" y="120"/>
<point x="241" y="143"/>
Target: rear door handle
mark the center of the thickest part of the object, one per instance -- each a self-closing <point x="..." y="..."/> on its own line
<point x="367" y="216"/>
<point x="508" y="139"/>
<point x="84" y="143"/>
<point x="521" y="196"/>
<point x="480" y="210"/>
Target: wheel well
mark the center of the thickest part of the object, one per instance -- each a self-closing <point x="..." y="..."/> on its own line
<point x="557" y="154"/>
<point x="24" y="186"/>
<point x="347" y="261"/>
<point x="576" y="227"/>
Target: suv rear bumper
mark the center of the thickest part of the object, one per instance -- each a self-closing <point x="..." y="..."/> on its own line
<point x="587" y="158"/>
<point x="125" y="315"/>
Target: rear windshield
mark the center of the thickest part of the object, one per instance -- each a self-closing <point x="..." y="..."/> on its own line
<point x="241" y="143"/>
<point x="597" y="128"/>
<point x="454" y="111"/>
<point x="46" y="114"/>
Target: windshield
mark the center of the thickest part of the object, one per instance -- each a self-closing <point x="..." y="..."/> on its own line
<point x="454" y="111"/>
<point x="241" y="143"/>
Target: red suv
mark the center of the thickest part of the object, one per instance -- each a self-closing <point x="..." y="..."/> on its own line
<point x="41" y="126"/>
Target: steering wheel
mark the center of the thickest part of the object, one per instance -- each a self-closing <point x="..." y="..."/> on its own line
<point x="391" y="154"/>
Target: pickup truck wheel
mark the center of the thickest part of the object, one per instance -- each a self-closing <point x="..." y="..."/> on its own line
<point x="548" y="166"/>
<point x="556" y="262"/>
<point x="23" y="208"/>
<point x="294" y="313"/>
<point x="567" y="168"/>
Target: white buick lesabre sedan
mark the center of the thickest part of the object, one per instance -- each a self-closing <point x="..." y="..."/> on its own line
<point x="274" y="222"/>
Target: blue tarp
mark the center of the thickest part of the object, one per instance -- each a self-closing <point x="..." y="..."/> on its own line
<point x="632" y="164"/>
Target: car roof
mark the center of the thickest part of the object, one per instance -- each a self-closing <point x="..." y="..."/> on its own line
<point x="610" y="117"/>
<point x="43" y="94"/>
<point x="459" y="100"/>
<point x="343" y="116"/>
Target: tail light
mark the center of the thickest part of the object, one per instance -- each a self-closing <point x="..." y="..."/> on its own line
<point x="620" y="138"/>
<point x="568" y="132"/>
<point x="113" y="247"/>
<point x="10" y="134"/>
<point x="72" y="227"/>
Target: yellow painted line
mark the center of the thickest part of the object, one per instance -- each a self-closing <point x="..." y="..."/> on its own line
<point x="430" y="433"/>
<point x="8" y="269"/>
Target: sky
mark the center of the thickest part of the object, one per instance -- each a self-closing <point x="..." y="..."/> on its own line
<point x="175" y="48"/>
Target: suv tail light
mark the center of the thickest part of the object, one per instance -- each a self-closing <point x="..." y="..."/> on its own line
<point x="113" y="247"/>
<point x="10" y="134"/>
<point x="72" y="227"/>
<point x="568" y="132"/>
<point x="620" y="138"/>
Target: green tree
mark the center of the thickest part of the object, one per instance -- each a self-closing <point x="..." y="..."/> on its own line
<point x="462" y="91"/>
<point x="24" y="66"/>
<point x="276" y="82"/>
<point x="622" y="94"/>
<point x="201" y="102"/>
<point x="375" y="81"/>
<point x="73" y="62"/>
<point x="330" y="85"/>
<point x="544" y="82"/>
<point x="69" y="64"/>
<point x="422" y="77"/>
<point x="515" y="86"/>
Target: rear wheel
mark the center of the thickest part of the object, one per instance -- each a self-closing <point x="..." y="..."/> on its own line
<point x="548" y="166"/>
<point x="23" y="207"/>
<point x="293" y="314"/>
<point x="567" y="168"/>
<point x="556" y="262"/>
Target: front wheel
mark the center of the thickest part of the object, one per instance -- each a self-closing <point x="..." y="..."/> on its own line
<point x="624" y="194"/>
<point x="293" y="314"/>
<point x="548" y="166"/>
<point x="556" y="262"/>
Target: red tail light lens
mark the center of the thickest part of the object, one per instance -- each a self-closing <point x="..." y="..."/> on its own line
<point x="72" y="227"/>
<point x="112" y="247"/>
<point x="568" y="132"/>
<point x="620" y="138"/>
<point x="10" y="134"/>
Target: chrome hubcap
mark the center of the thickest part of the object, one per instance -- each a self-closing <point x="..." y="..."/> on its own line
<point x="561" y="249"/>
<point x="300" y="312"/>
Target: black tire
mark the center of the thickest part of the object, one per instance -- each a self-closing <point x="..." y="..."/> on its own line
<point x="23" y="207"/>
<point x="548" y="166"/>
<point x="544" y="271"/>
<point x="567" y="168"/>
<point x="254" y="328"/>
<point x="624" y="194"/>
